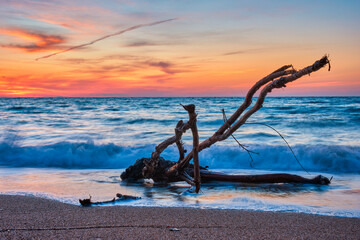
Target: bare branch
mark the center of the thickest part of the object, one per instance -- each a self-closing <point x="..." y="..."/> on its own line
<point x="241" y="145"/>
<point x="279" y="83"/>
<point x="175" y="170"/>
<point x="180" y="129"/>
<point x="151" y="165"/>
<point x="224" y="132"/>
<point x="193" y="126"/>
<point x="179" y="143"/>
<point x="247" y="102"/>
<point x="187" y="178"/>
<point x="285" y="142"/>
<point x="160" y="169"/>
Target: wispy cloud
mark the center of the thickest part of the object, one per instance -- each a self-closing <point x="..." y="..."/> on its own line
<point x="255" y="50"/>
<point x="38" y="41"/>
<point x="141" y="44"/>
<point x="128" y="63"/>
<point x="166" y="67"/>
<point x="107" y="36"/>
<point x="158" y="78"/>
<point x="72" y="15"/>
<point x="270" y="48"/>
<point x="147" y="43"/>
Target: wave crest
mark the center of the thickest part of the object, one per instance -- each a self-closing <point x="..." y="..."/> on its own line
<point x="319" y="158"/>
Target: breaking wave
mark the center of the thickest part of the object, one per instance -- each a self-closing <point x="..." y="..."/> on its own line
<point x="87" y="155"/>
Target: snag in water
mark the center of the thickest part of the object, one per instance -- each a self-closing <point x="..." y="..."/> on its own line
<point x="160" y="169"/>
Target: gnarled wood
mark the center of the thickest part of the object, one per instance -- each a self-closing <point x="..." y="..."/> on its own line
<point x="120" y="197"/>
<point x="179" y="143"/>
<point x="133" y="173"/>
<point x="160" y="170"/>
<point x="278" y="83"/>
<point x="192" y="116"/>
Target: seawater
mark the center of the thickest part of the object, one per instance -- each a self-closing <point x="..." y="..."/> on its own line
<point x="68" y="148"/>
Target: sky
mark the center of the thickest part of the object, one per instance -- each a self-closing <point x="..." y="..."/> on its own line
<point x="207" y="48"/>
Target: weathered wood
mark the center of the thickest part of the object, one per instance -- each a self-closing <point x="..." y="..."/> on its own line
<point x="179" y="143"/>
<point x="120" y="197"/>
<point x="223" y="134"/>
<point x="152" y="164"/>
<point x="263" y="178"/>
<point x="161" y="170"/>
<point x="248" y="99"/>
<point x="192" y="121"/>
<point x="207" y="176"/>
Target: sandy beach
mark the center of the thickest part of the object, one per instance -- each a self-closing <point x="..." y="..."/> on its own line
<point x="29" y="217"/>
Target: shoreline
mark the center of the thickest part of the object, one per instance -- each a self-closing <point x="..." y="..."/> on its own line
<point x="77" y="204"/>
<point x="33" y="217"/>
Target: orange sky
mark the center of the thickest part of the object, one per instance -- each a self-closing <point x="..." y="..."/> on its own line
<point x="211" y="49"/>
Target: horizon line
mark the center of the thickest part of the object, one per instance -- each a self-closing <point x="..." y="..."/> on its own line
<point x="179" y="96"/>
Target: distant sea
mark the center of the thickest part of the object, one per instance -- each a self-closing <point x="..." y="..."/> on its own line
<point x="68" y="148"/>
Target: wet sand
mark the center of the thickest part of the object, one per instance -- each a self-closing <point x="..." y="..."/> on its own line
<point x="29" y="217"/>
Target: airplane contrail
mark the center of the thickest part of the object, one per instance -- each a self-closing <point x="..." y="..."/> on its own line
<point x="107" y="36"/>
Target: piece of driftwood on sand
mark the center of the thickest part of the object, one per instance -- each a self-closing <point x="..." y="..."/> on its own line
<point x="161" y="170"/>
<point x="120" y="197"/>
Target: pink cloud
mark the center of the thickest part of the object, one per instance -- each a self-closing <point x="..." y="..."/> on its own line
<point x="38" y="41"/>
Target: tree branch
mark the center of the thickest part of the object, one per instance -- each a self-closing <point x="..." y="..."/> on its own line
<point x="151" y="165"/>
<point x="192" y="123"/>
<point x="179" y="143"/>
<point x="279" y="83"/>
<point x="248" y="99"/>
<point x="224" y="132"/>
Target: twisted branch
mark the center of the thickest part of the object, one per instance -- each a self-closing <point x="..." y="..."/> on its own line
<point x="192" y="123"/>
<point x="224" y="131"/>
<point x="276" y="79"/>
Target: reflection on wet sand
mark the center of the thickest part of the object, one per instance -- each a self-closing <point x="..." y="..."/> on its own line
<point x="339" y="198"/>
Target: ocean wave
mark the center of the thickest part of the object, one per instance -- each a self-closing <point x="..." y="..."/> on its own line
<point x="112" y="109"/>
<point x="87" y="155"/>
<point x="64" y="105"/>
<point x="115" y="119"/>
<point x="352" y="109"/>
<point x="19" y="108"/>
<point x="86" y="108"/>
<point x="215" y="122"/>
<point x="309" y="110"/>
<point x="63" y="155"/>
<point x="281" y="107"/>
<point x="25" y="109"/>
<point x="150" y="120"/>
<point x="325" y="123"/>
<point x="318" y="158"/>
<point x="259" y="135"/>
<point x="316" y="101"/>
<point x="356" y="120"/>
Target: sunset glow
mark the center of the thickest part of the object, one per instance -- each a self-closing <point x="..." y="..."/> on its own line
<point x="212" y="48"/>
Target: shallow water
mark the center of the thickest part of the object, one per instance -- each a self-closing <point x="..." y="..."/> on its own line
<point x="341" y="198"/>
<point x="68" y="148"/>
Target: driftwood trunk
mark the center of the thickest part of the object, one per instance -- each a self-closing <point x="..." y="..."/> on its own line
<point x="161" y="170"/>
<point x="133" y="173"/>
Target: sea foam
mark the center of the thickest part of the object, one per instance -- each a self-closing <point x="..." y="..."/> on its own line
<point x="319" y="158"/>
